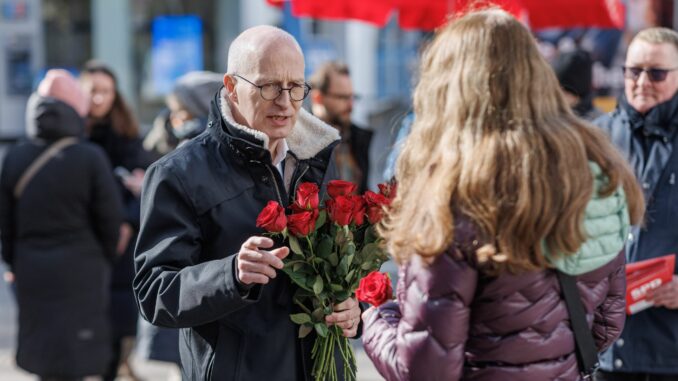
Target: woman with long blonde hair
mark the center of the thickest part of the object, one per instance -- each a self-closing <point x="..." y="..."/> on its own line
<point x="499" y="185"/>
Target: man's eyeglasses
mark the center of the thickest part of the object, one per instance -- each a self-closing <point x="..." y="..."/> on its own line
<point x="271" y="91"/>
<point x="653" y="73"/>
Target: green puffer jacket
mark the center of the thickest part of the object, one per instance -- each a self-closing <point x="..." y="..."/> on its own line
<point x="606" y="223"/>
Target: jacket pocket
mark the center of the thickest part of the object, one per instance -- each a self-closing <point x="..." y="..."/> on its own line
<point x="226" y="361"/>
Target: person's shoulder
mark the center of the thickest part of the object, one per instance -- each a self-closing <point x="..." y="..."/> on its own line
<point x="198" y="157"/>
<point x="614" y="117"/>
<point x="360" y="132"/>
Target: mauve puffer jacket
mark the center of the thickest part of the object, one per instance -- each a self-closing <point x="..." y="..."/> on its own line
<point x="452" y="322"/>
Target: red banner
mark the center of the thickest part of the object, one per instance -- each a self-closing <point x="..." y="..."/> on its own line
<point x="429" y="14"/>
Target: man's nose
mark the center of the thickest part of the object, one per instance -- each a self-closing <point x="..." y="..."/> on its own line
<point x="644" y="79"/>
<point x="283" y="99"/>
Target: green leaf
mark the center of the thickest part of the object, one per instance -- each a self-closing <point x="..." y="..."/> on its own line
<point x="322" y="217"/>
<point x="301" y="318"/>
<point x="349" y="249"/>
<point x="334" y="259"/>
<point x="298" y="266"/>
<point x="369" y="251"/>
<point x="342" y="295"/>
<point x="324" y="248"/>
<point x="349" y="276"/>
<point x="304" y="330"/>
<point x="318" y="261"/>
<point x="321" y="329"/>
<point x="367" y="265"/>
<point x="371" y="235"/>
<point x="299" y="279"/>
<point x="336" y="287"/>
<point x="318" y="315"/>
<point x="318" y="285"/>
<point x="342" y="270"/>
<point x="295" y="247"/>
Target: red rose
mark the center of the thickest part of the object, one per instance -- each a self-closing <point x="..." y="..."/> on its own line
<point x="272" y="218"/>
<point x="336" y="188"/>
<point x="307" y="197"/>
<point x="358" y="213"/>
<point x="340" y="210"/>
<point x="388" y="190"/>
<point x="301" y="224"/>
<point x="375" y="206"/>
<point x="375" y="289"/>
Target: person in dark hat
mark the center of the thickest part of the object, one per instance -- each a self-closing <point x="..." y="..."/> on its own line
<point x="575" y="74"/>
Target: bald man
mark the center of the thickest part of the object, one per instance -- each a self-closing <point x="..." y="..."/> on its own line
<point x="202" y="264"/>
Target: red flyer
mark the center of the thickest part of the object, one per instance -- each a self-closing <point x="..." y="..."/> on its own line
<point x="644" y="276"/>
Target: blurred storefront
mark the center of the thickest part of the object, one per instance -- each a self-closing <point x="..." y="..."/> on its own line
<point x="150" y="42"/>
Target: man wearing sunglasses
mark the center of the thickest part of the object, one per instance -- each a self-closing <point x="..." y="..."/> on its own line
<point x="201" y="262"/>
<point x="644" y="126"/>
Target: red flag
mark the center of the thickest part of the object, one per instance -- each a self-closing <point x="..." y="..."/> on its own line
<point x="430" y="14"/>
<point x="372" y="11"/>
<point x="575" y="13"/>
<point x="276" y="3"/>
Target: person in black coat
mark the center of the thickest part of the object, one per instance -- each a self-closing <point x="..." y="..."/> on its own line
<point x="112" y="126"/>
<point x="201" y="262"/>
<point x="332" y="101"/>
<point x="59" y="237"/>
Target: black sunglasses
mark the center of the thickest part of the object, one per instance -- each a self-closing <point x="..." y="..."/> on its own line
<point x="653" y="73"/>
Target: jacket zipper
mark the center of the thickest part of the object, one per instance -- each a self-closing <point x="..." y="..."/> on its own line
<point x="275" y="183"/>
<point x="296" y="184"/>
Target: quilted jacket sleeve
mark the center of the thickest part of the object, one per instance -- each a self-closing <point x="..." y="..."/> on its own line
<point x="422" y="337"/>
<point x="610" y="316"/>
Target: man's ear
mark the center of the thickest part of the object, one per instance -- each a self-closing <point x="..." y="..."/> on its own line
<point x="229" y="83"/>
<point x="316" y="97"/>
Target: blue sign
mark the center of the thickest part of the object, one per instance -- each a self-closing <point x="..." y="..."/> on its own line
<point x="176" y="50"/>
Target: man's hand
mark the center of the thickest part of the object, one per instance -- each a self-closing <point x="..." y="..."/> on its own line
<point x="135" y="181"/>
<point x="666" y="295"/>
<point x="125" y="235"/>
<point x="347" y="316"/>
<point x="256" y="265"/>
<point x="8" y="276"/>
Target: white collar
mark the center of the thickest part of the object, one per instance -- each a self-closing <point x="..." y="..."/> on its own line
<point x="281" y="154"/>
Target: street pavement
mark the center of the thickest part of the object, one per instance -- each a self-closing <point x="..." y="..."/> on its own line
<point x="146" y="370"/>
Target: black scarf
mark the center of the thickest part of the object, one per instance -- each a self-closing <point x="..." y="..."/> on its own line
<point x="650" y="140"/>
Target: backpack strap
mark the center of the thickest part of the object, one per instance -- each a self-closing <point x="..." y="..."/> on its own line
<point x="586" y="351"/>
<point x="40" y="162"/>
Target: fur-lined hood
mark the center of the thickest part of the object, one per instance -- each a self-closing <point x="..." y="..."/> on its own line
<point x="309" y="135"/>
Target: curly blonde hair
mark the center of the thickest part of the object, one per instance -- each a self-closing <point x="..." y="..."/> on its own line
<point x="495" y="140"/>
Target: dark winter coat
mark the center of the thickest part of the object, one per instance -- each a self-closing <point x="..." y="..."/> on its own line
<point x="199" y="205"/>
<point x="59" y="239"/>
<point x="454" y="322"/>
<point x="360" y="149"/>
<point x="129" y="154"/>
<point x="649" y="343"/>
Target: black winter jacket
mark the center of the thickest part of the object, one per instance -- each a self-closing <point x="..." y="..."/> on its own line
<point x="199" y="204"/>
<point x="59" y="238"/>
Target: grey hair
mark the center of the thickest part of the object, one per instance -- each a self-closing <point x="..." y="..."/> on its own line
<point x="658" y="35"/>
<point x="255" y="40"/>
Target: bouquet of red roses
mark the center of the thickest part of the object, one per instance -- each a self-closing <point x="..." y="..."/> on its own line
<point x="333" y="247"/>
